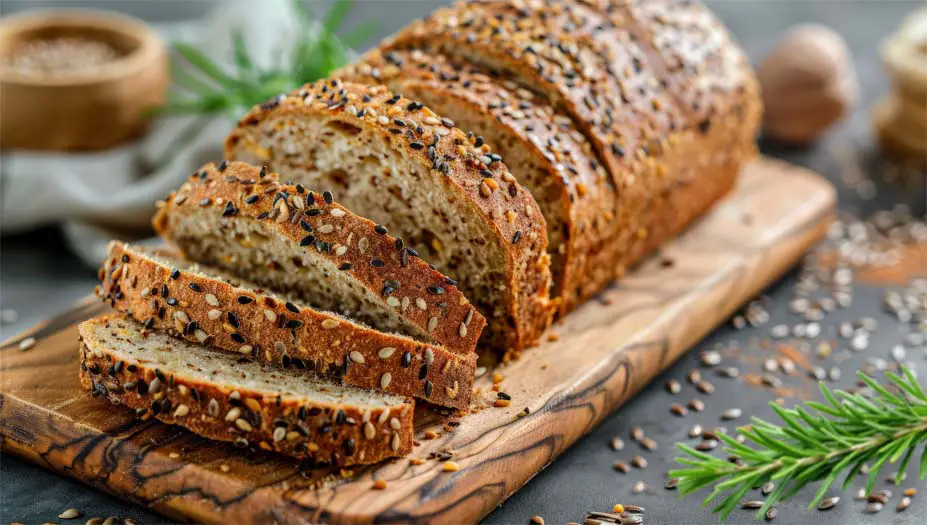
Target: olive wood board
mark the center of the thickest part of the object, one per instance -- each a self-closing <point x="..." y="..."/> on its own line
<point x="602" y="355"/>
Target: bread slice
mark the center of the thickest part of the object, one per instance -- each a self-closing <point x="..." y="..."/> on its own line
<point x="287" y="238"/>
<point x="541" y="145"/>
<point x="208" y="306"/>
<point x="220" y="397"/>
<point x="394" y="160"/>
<point x="600" y="69"/>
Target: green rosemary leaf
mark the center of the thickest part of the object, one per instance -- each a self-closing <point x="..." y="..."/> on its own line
<point x="240" y="53"/>
<point x="845" y="433"/>
<point x="199" y="60"/>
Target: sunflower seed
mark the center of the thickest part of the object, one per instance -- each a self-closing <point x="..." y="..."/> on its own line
<point x="639" y="487"/>
<point x="731" y="413"/>
<point x="70" y="514"/>
<point x="752" y="504"/>
<point x="903" y="504"/>
<point x="829" y="503"/>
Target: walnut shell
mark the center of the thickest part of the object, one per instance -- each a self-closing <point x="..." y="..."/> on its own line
<point x="808" y="82"/>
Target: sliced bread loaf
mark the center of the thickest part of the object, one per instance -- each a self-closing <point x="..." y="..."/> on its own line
<point x="209" y="306"/>
<point x="220" y="397"/>
<point x="287" y="238"/>
<point x="540" y="144"/>
<point x="394" y="160"/>
<point x="591" y="60"/>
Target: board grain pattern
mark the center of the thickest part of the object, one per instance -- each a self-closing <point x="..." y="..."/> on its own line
<point x="605" y="352"/>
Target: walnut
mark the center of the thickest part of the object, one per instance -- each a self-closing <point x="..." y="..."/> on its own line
<point x="808" y="82"/>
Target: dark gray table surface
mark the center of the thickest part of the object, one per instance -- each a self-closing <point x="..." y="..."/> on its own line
<point x="38" y="277"/>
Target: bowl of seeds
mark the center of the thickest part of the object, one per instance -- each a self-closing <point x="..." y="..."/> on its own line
<point x="78" y="80"/>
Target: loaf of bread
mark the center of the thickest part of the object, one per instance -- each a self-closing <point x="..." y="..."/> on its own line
<point x="292" y="239"/>
<point x="451" y="200"/>
<point x="658" y="88"/>
<point x="221" y="397"/>
<point x="208" y="306"/>
<point x="549" y="157"/>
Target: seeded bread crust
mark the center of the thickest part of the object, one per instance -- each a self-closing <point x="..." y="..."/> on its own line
<point x="373" y="258"/>
<point x="578" y="196"/>
<point x="476" y="174"/>
<point x="598" y="67"/>
<point x="209" y="311"/>
<point x="321" y="433"/>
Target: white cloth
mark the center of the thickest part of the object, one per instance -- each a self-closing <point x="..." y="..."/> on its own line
<point x="110" y="194"/>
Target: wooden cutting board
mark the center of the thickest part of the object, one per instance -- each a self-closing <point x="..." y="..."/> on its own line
<point x="596" y="359"/>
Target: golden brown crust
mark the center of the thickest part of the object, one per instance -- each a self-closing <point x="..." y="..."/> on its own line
<point x="475" y="173"/>
<point x="578" y="190"/>
<point x="371" y="256"/>
<point x="209" y="311"/>
<point x="321" y="433"/>
<point x="596" y="64"/>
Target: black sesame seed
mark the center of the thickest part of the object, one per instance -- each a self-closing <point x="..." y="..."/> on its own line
<point x="164" y="292"/>
<point x="428" y="388"/>
<point x="172" y="301"/>
<point x="160" y="375"/>
<point x="379" y="228"/>
<point x="377" y="263"/>
<point x="345" y="266"/>
<point x="292" y="307"/>
<point x="223" y="165"/>
<point x="412" y="252"/>
<point x="263" y="215"/>
<point x="175" y="274"/>
<point x="233" y="320"/>
<point x="307" y="240"/>
<point x="125" y="258"/>
<point x="305" y="226"/>
<point x="423" y="371"/>
<point x="263" y="171"/>
<point x="478" y="142"/>
<point x="349" y="447"/>
<point x="329" y="198"/>
<point x="244" y="299"/>
<point x="293" y="324"/>
<point x="195" y="287"/>
<point x="229" y="210"/>
<point x="340" y="417"/>
<point x="416" y="145"/>
<point x="406" y="359"/>
<point x="435" y="290"/>
<point x="516" y="237"/>
<point x="238" y="338"/>
<point x="398" y="243"/>
<point x="503" y="395"/>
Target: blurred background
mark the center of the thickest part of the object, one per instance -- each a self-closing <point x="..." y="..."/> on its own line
<point x="63" y="195"/>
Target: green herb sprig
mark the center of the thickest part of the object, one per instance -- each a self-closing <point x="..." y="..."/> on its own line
<point x="848" y="431"/>
<point x="201" y="86"/>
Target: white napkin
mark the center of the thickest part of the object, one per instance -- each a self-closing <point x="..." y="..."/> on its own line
<point x="110" y="194"/>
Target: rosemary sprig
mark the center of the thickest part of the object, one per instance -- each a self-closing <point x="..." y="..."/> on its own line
<point x="848" y="431"/>
<point x="201" y="86"/>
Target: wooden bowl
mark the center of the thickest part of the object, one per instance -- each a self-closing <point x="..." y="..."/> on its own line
<point x="72" y="111"/>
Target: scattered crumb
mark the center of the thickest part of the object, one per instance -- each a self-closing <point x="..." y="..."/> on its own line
<point x="224" y="468"/>
<point x="379" y="484"/>
<point x="501" y="403"/>
<point x="450" y="466"/>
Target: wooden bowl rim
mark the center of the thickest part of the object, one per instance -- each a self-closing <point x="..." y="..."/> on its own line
<point x="150" y="43"/>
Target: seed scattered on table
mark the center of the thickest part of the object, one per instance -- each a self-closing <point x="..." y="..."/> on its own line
<point x="729" y="372"/>
<point x="639" y="487"/>
<point x="697" y="405"/>
<point x="874" y="507"/>
<point x="637" y="433"/>
<point x="828" y="503"/>
<point x="767" y="488"/>
<point x="672" y="483"/>
<point x="695" y="431"/>
<point x="705" y="387"/>
<point x="617" y="443"/>
<point x="710" y="358"/>
<point x="673" y="386"/>
<point x="70" y="514"/>
<point x="639" y="462"/>
<point x="903" y="504"/>
<point x="771" y="513"/>
<point x="752" y="504"/>
<point x="731" y="413"/>
<point x="678" y="410"/>
<point x="707" y="445"/>
<point x="622" y="467"/>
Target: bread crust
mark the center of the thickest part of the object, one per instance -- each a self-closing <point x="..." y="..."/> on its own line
<point x="598" y="62"/>
<point x="585" y="198"/>
<point x="208" y="311"/>
<point x="475" y="173"/>
<point x="356" y="436"/>
<point x="371" y="256"/>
